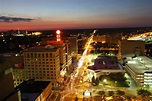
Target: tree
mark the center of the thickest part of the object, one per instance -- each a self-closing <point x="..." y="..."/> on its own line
<point x="110" y="93"/>
<point x="128" y="98"/>
<point x="76" y="99"/>
<point x="147" y="86"/>
<point x="120" y="93"/>
<point x="143" y="92"/>
<point x="101" y="93"/>
<point x="95" y="81"/>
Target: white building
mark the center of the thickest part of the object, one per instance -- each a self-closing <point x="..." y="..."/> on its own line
<point x="140" y="68"/>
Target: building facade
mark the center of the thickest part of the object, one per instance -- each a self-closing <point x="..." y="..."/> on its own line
<point x="40" y="64"/>
<point x="140" y="70"/>
<point x="134" y="47"/>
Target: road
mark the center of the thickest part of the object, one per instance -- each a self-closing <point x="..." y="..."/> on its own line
<point x="76" y="77"/>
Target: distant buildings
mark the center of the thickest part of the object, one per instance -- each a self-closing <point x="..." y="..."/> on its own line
<point x="134" y="47"/>
<point x="113" y="39"/>
<point x="99" y="38"/>
<point x="110" y="39"/>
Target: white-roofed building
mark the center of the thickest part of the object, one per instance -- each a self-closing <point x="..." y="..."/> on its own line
<point x="140" y="68"/>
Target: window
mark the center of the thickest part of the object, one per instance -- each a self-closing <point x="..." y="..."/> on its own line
<point x="51" y="55"/>
<point x="42" y="55"/>
<point x="27" y="55"/>
<point x="35" y="55"/>
<point x="31" y="55"/>
<point x="47" y="55"/>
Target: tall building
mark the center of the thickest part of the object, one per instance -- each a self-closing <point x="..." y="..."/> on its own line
<point x="71" y="46"/>
<point x="44" y="62"/>
<point x="40" y="63"/>
<point x="62" y="52"/>
<point x="68" y="47"/>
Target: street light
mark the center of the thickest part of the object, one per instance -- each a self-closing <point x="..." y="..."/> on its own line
<point x="115" y="83"/>
<point x="104" y="81"/>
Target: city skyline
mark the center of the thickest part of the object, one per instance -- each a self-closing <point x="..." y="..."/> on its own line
<point x="59" y="14"/>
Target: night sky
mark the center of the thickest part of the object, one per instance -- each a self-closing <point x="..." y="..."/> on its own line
<point x="64" y="14"/>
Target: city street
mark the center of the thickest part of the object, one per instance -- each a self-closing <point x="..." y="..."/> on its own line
<point x="78" y="83"/>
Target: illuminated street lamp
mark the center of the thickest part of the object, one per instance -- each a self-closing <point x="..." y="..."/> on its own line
<point x="104" y="81"/>
<point x="115" y="83"/>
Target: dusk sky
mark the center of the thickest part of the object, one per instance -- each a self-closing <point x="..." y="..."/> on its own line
<point x="64" y="14"/>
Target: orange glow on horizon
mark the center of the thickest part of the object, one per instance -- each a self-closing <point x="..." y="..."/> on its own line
<point x="47" y="24"/>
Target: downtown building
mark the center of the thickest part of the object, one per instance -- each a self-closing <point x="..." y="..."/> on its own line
<point x="40" y="63"/>
<point x="68" y="49"/>
<point x="43" y="63"/>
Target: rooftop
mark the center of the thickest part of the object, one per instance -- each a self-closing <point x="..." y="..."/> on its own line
<point x="140" y="64"/>
<point x="106" y="63"/>
<point x="33" y="86"/>
<point x="47" y="48"/>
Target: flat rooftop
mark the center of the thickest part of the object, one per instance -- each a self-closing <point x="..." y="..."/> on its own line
<point x="47" y="48"/>
<point x="140" y="64"/>
<point x="33" y="86"/>
<point x="106" y="63"/>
